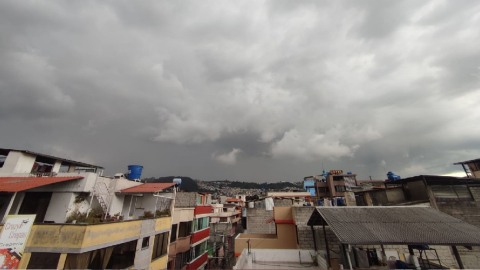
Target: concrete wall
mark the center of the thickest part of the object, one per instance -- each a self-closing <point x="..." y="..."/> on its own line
<point x="282" y="213"/>
<point x="417" y="190"/>
<point x="116" y="206"/>
<point x="143" y="256"/>
<point x="256" y="221"/>
<point x="18" y="162"/>
<point x="220" y="228"/>
<point x="185" y="199"/>
<point x="59" y="207"/>
<point x="182" y="215"/>
<point x="286" y="238"/>
<point x="395" y="195"/>
<point x="379" y="198"/>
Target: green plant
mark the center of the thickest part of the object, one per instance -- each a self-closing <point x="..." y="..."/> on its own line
<point x="92" y="217"/>
<point x="163" y="213"/>
<point x="148" y="215"/>
<point x="81" y="197"/>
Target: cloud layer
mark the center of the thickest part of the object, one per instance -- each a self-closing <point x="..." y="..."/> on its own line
<point x="358" y="86"/>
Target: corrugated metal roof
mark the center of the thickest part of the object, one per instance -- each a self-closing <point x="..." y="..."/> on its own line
<point x="234" y="200"/>
<point x="16" y="184"/>
<point x="148" y="188"/>
<point x="396" y="225"/>
<point x="467" y="161"/>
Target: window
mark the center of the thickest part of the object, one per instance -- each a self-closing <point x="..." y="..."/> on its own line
<point x="451" y="193"/>
<point x="198" y="250"/>
<point x="340" y="188"/>
<point x="160" y="245"/>
<point x="337" y="178"/>
<point x="185" y="229"/>
<point x="114" y="257"/>
<point x="201" y="223"/>
<point x="323" y="189"/>
<point x="199" y="200"/>
<point x="181" y="259"/>
<point x="41" y="260"/>
<point x="173" y="233"/>
<point x="145" y="242"/>
<point x="223" y="219"/>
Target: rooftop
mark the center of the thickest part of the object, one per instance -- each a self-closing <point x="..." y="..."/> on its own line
<point x="437" y="180"/>
<point x="148" y="188"/>
<point x="468" y="161"/>
<point x="48" y="158"/>
<point x="16" y="184"/>
<point x="276" y="259"/>
<point x="395" y="225"/>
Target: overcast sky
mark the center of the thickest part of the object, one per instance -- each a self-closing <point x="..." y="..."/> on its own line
<point x="244" y="90"/>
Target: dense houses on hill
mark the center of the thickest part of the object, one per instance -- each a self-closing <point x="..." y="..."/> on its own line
<point x="63" y="214"/>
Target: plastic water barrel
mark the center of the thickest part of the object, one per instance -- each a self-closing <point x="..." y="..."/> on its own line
<point x="134" y="172"/>
<point x="251" y="205"/>
<point x="177" y="181"/>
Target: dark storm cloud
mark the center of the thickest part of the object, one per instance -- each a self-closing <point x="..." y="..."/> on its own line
<point x="256" y="91"/>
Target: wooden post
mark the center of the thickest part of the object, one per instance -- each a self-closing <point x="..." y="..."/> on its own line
<point x="457" y="257"/>
<point x="326" y="244"/>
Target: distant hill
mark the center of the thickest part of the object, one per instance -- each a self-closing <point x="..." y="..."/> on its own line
<point x="267" y="186"/>
<point x="188" y="184"/>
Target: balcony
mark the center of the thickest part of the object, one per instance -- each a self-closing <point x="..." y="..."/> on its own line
<point x="181" y="245"/>
<point x="80" y="237"/>
<point x="198" y="261"/>
<point x="200" y="210"/>
<point x="200" y="235"/>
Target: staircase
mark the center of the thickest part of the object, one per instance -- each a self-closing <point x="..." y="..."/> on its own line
<point x="102" y="193"/>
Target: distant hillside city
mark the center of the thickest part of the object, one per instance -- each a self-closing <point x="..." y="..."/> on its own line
<point x="226" y="187"/>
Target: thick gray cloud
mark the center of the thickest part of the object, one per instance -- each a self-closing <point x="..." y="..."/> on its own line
<point x="250" y="91"/>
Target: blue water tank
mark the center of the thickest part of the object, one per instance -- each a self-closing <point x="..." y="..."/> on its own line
<point x="134" y="172"/>
<point x="177" y="181"/>
<point x="392" y="176"/>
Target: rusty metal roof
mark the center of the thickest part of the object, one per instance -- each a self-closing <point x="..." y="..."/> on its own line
<point x="16" y="184"/>
<point x="395" y="225"/>
<point x="148" y="188"/>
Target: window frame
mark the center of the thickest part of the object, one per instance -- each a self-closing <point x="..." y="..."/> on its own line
<point x="160" y="245"/>
<point x="145" y="242"/>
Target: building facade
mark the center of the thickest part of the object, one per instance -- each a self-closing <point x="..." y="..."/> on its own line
<point x="84" y="220"/>
<point x="190" y="231"/>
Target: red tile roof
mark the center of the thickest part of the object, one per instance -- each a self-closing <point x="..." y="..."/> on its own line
<point x="148" y="188"/>
<point x="16" y="184"/>
<point x="234" y="200"/>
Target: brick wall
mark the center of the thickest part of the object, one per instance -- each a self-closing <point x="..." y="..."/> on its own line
<point x="282" y="202"/>
<point x="185" y="199"/>
<point x="221" y="228"/>
<point x="467" y="211"/>
<point x="256" y="221"/>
